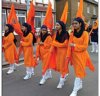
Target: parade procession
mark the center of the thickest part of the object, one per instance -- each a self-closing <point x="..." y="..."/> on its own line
<point x="50" y="48"/>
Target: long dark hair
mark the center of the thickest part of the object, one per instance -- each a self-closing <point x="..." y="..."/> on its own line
<point x="34" y="38"/>
<point x="43" y="37"/>
<point x="64" y="34"/>
<point x="29" y="30"/>
<point x="79" y="34"/>
<point x="10" y="30"/>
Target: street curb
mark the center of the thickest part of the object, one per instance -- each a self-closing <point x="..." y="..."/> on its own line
<point x="6" y="63"/>
<point x="20" y="60"/>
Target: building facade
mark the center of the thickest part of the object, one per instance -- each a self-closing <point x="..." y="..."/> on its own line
<point x="90" y="10"/>
<point x="21" y="7"/>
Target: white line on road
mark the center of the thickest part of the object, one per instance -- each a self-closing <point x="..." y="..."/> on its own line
<point x="16" y="66"/>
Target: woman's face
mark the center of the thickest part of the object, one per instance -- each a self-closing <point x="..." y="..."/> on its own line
<point x="58" y="26"/>
<point x="6" y="28"/>
<point x="76" y="25"/>
<point x="24" y="29"/>
<point x="44" y="30"/>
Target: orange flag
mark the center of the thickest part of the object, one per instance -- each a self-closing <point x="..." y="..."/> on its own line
<point x="12" y="19"/>
<point x="30" y="16"/>
<point x="80" y="10"/>
<point x="48" y="21"/>
<point x="65" y="13"/>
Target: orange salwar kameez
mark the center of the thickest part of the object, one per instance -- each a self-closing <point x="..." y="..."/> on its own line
<point x="56" y="59"/>
<point x="43" y="51"/>
<point x="10" y="51"/>
<point x="79" y="56"/>
<point x="27" y="48"/>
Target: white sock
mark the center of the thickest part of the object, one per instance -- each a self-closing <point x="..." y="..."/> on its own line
<point x="96" y="46"/>
<point x="93" y="46"/>
<point x="28" y="70"/>
<point x="12" y="66"/>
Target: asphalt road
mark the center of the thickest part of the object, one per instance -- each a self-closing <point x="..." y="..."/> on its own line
<point x="14" y="85"/>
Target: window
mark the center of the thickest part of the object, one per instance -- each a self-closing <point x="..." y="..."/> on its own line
<point x="39" y="1"/>
<point x="94" y="10"/>
<point x="54" y="20"/>
<point x="45" y="1"/>
<point x="21" y="16"/>
<point x="43" y="16"/>
<point x="38" y="13"/>
<point x="21" y="20"/>
<point x="78" y="4"/>
<point x="3" y="19"/>
<point x="88" y="9"/>
<point x="21" y="12"/>
<point x="19" y="1"/>
<point x="38" y="20"/>
<point x="5" y="0"/>
<point x="23" y="1"/>
<point x="13" y="0"/>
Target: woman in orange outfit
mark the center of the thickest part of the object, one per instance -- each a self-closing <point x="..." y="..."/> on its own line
<point x="56" y="59"/>
<point x="27" y="48"/>
<point x="42" y="52"/>
<point x="9" y="47"/>
<point x="77" y="53"/>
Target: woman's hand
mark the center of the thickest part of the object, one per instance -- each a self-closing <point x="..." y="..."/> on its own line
<point x="37" y="60"/>
<point x="51" y="49"/>
<point x="21" y="42"/>
<point x="41" y="43"/>
<point x="66" y="58"/>
<point x="72" y="44"/>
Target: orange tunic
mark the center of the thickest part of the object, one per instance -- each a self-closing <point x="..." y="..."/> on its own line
<point x="79" y="55"/>
<point x="10" y="51"/>
<point x="60" y="50"/>
<point x="27" y="48"/>
<point x="56" y="59"/>
<point x="43" y="50"/>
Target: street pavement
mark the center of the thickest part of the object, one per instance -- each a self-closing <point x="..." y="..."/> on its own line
<point x="14" y="85"/>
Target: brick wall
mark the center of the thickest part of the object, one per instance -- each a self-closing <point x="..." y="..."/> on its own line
<point x="73" y="7"/>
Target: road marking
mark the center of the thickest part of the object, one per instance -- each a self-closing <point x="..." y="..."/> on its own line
<point x="17" y="65"/>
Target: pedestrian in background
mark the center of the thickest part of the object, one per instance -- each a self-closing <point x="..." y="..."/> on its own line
<point x="77" y="53"/>
<point x="94" y="37"/>
<point x="10" y="51"/>
<point x="26" y="45"/>
<point x="42" y="52"/>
